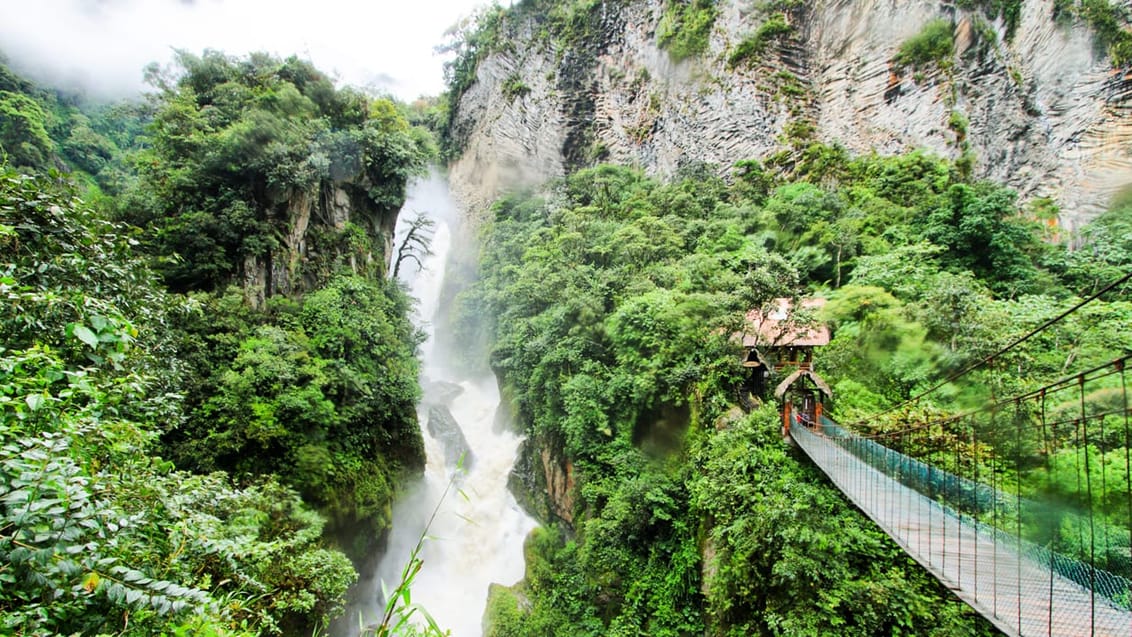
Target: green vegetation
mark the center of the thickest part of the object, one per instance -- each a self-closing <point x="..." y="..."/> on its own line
<point x="934" y="44"/>
<point x="1110" y="25"/>
<point x="100" y="535"/>
<point x="685" y="27"/>
<point x="1106" y="253"/>
<point x="611" y="296"/>
<point x="240" y="149"/>
<point x="42" y="129"/>
<point x="1109" y="22"/>
<point x="203" y="414"/>
<point x="984" y="40"/>
<point x="778" y="25"/>
<point x="320" y="393"/>
<point x="1009" y="11"/>
<point x="22" y="132"/>
<point x="514" y="87"/>
<point x="315" y="383"/>
<point x="179" y="455"/>
<point x="790" y="87"/>
<point x="821" y="568"/>
<point x="469" y="42"/>
<point x="747" y="52"/>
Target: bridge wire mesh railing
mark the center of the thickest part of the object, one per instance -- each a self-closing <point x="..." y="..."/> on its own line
<point x="969" y="501"/>
<point x="1075" y="518"/>
<point x="1049" y="486"/>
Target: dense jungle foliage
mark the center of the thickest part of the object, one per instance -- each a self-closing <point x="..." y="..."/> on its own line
<point x="612" y="298"/>
<point x="319" y="389"/>
<point x="42" y="129"/>
<point x="239" y="148"/>
<point x="170" y="459"/>
<point x="100" y="534"/>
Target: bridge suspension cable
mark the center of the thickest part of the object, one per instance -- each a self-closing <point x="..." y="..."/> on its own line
<point x="1004" y="350"/>
<point x="1104" y="370"/>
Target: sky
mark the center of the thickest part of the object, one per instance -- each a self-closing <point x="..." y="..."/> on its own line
<point x="102" y="46"/>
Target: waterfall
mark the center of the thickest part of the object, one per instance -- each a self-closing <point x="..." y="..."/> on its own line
<point x="477" y="536"/>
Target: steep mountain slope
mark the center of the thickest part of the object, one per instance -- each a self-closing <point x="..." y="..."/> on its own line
<point x="1032" y="99"/>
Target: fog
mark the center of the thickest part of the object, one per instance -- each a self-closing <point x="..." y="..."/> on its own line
<point x="102" y="46"/>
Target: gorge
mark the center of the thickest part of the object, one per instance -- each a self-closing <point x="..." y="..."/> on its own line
<point x="232" y="404"/>
<point x="473" y="528"/>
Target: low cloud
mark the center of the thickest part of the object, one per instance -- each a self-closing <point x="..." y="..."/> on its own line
<point x="102" y="46"/>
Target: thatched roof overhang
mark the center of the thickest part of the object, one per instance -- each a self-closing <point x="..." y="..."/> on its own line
<point x="818" y="382"/>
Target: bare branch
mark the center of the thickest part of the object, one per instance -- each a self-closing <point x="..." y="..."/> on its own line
<point x="417" y="243"/>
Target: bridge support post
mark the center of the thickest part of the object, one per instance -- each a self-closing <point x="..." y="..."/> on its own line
<point x="787" y="414"/>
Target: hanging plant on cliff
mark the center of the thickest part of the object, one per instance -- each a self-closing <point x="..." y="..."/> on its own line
<point x="685" y="26"/>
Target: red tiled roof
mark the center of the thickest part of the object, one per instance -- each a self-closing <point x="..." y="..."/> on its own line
<point x="775" y="329"/>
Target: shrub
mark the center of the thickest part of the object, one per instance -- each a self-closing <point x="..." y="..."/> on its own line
<point x="934" y="44"/>
<point x="754" y="45"/>
<point x="685" y="27"/>
<point x="514" y="87"/>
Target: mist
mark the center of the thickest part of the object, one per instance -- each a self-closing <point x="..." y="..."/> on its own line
<point x="476" y="537"/>
<point x="101" y="47"/>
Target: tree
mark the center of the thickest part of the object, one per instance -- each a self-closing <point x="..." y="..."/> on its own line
<point x="1105" y="253"/>
<point x="23" y="136"/>
<point x="247" y="153"/>
<point x="979" y="227"/>
<point x="415" y="246"/>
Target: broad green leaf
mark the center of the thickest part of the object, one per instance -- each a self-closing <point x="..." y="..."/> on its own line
<point x="34" y="401"/>
<point x="133" y="596"/>
<point x="85" y="335"/>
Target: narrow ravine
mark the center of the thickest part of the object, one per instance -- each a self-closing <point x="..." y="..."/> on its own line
<point x="477" y="536"/>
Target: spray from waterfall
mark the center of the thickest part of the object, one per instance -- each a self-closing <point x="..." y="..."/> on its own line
<point x="476" y="538"/>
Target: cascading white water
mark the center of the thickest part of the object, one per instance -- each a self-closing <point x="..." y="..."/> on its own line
<point x="477" y="536"/>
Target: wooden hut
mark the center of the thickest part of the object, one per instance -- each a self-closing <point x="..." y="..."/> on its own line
<point x="778" y="346"/>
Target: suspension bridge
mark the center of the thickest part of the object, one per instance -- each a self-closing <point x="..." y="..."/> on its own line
<point x="1023" y="507"/>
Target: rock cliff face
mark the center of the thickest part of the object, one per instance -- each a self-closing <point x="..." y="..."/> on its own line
<point x="1042" y="110"/>
<point x="543" y="481"/>
<point x="316" y="238"/>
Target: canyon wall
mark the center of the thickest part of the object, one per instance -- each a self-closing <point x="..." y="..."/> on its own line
<point x="1040" y="109"/>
